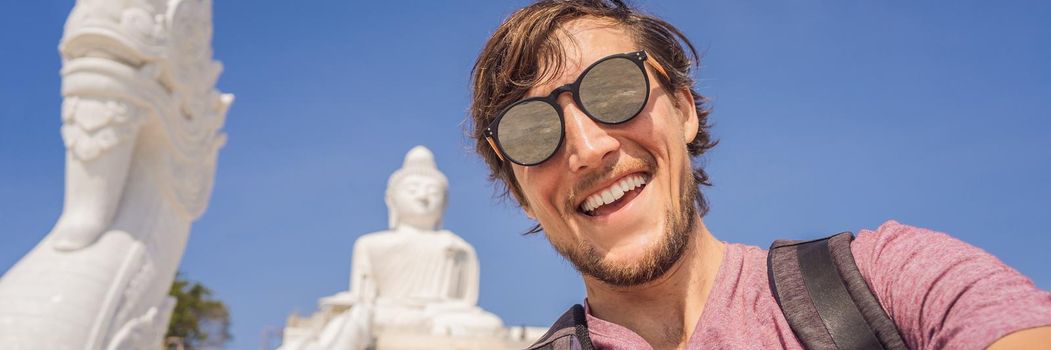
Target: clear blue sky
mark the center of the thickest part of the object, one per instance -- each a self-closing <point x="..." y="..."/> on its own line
<point x="833" y="115"/>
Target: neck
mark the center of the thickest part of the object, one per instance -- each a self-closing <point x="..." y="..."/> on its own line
<point x="664" y="311"/>
<point x="416" y="225"/>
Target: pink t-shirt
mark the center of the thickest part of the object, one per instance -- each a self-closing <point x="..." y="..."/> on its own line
<point x="940" y="292"/>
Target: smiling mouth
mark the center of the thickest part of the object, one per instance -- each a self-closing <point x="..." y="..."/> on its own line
<point x="615" y="196"/>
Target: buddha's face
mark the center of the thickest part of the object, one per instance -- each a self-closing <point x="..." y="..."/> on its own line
<point x="419" y="200"/>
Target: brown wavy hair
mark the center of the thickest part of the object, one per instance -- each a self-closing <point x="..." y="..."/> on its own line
<point x="512" y="62"/>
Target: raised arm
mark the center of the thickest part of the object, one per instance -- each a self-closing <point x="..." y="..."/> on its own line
<point x="946" y="294"/>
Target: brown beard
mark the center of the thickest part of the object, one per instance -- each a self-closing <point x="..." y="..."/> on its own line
<point x="655" y="262"/>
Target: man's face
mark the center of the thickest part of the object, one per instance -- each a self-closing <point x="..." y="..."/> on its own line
<point x="639" y="236"/>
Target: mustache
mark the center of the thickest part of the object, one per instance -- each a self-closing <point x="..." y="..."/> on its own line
<point x="605" y="173"/>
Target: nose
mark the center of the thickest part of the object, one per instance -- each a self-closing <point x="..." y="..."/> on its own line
<point x="587" y="142"/>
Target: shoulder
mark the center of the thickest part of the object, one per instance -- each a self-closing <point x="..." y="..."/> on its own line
<point x="897" y="252"/>
<point x="943" y="292"/>
<point x="374" y="234"/>
<point x="898" y="244"/>
<point x="569" y="331"/>
<point x="374" y="238"/>
<point x="456" y="239"/>
<point x="371" y="236"/>
<point x="897" y="236"/>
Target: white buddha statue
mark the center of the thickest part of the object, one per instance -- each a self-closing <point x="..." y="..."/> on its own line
<point x="414" y="278"/>
<point x="417" y="275"/>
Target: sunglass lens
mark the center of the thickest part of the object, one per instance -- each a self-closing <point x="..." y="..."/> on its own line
<point x="614" y="90"/>
<point x="530" y="132"/>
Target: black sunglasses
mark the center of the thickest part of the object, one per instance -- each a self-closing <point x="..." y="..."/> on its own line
<point x="613" y="90"/>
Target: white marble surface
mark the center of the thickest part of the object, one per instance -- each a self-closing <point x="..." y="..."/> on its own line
<point x="141" y="122"/>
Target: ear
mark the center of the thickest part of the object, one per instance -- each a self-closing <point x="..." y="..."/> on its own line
<point x="688" y="111"/>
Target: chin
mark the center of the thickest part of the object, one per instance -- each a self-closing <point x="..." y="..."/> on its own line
<point x="634" y="247"/>
<point x="633" y="255"/>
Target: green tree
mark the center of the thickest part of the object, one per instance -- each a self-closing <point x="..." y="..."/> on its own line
<point x="200" y="320"/>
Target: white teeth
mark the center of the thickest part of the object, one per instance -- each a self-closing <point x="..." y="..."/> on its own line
<point x="594" y="202"/>
<point x="612" y="193"/>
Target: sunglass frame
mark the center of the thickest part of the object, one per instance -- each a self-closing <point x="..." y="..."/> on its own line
<point x="637" y="57"/>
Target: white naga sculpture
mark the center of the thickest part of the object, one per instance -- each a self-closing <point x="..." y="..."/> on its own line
<point x="141" y="122"/>
<point x="412" y="286"/>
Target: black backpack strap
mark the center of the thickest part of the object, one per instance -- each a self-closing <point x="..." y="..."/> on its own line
<point x="570" y="331"/>
<point x="825" y="299"/>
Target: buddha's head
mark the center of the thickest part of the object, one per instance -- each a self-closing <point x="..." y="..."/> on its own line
<point x="416" y="193"/>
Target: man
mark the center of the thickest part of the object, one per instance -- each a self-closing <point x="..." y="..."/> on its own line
<point x="586" y="111"/>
